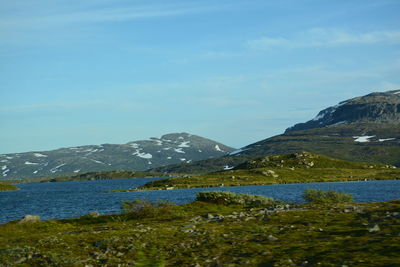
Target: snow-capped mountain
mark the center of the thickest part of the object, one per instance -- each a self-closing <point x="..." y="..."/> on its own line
<point x="138" y="155"/>
<point x="383" y="107"/>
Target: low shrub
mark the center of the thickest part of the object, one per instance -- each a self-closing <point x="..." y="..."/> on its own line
<point x="228" y="198"/>
<point x="146" y="209"/>
<point x="320" y="196"/>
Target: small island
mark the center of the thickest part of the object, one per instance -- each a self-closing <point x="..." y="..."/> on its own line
<point x="7" y="187"/>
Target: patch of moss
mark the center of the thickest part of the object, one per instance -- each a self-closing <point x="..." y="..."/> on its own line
<point x="356" y="234"/>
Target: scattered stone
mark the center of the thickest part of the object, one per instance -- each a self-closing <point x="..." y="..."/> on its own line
<point x="30" y="219"/>
<point x="375" y="228"/>
<point x="272" y="238"/>
<point x="209" y="216"/>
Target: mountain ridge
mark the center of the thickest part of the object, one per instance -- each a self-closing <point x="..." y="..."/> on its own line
<point x="378" y="107"/>
<point x="135" y="155"/>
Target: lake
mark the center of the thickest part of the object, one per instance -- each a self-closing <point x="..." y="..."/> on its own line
<point x="73" y="199"/>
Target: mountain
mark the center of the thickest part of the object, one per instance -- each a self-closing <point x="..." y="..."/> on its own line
<point x="138" y="155"/>
<point x="364" y="128"/>
<point x="373" y="108"/>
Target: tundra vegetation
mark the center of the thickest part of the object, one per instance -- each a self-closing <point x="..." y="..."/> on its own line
<point x="210" y="232"/>
<point x="7" y="187"/>
<point x="301" y="167"/>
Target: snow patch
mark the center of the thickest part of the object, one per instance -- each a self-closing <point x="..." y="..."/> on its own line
<point x="363" y="139"/>
<point x="320" y="115"/>
<point x="56" y="169"/>
<point x="38" y="155"/>
<point x="228" y="168"/>
<point x="76" y="171"/>
<point x="31" y="163"/>
<point x="169" y="158"/>
<point x="35" y="172"/>
<point x="340" y="122"/>
<point x="386" y="139"/>
<point x="4" y="167"/>
<point x="7" y="157"/>
<point x="199" y="150"/>
<point x="134" y="145"/>
<point x="142" y="155"/>
<point x="182" y="159"/>
<point x="96" y="161"/>
<point x="184" y="144"/>
<point x="396" y="93"/>
<point x="238" y="151"/>
<point x="167" y="148"/>
<point x="179" y="150"/>
<point x="218" y="149"/>
<point x="150" y="162"/>
<point x="158" y="141"/>
<point x="5" y="172"/>
<point x="181" y="137"/>
<point x="4" y="160"/>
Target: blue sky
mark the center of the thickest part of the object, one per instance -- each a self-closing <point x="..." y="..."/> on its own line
<point x="112" y="71"/>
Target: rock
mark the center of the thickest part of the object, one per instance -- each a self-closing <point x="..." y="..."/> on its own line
<point x="187" y="231"/>
<point x="375" y="228"/>
<point x="272" y="238"/>
<point x="209" y="216"/>
<point x="269" y="173"/>
<point x="188" y="226"/>
<point x="94" y="214"/>
<point x="30" y="219"/>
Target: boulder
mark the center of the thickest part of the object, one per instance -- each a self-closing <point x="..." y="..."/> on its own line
<point x="29" y="219"/>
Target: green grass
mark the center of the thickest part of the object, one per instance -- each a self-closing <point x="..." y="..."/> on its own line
<point x="7" y="187"/>
<point x="320" y="196"/>
<point x="307" y="235"/>
<point x="283" y="169"/>
<point x="231" y="198"/>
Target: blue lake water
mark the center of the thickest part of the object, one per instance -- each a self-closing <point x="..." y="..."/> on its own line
<point x="73" y="199"/>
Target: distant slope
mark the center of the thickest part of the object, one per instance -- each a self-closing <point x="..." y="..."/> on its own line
<point x="138" y="155"/>
<point x="302" y="167"/>
<point x="360" y="129"/>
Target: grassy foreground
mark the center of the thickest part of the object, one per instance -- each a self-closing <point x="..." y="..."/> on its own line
<point x="207" y="234"/>
<point x="283" y="169"/>
<point x="7" y="187"/>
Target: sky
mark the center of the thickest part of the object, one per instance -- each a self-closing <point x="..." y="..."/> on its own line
<point x="76" y="72"/>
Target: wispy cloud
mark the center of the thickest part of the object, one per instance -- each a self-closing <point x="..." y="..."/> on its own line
<point x="99" y="14"/>
<point x="52" y="106"/>
<point x="322" y="37"/>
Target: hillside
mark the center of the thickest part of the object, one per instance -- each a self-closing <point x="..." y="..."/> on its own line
<point x="300" y="167"/>
<point x="360" y="129"/>
<point x="382" y="107"/>
<point x="137" y="155"/>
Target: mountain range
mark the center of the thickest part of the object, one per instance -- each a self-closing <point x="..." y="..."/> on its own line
<point x="364" y="128"/>
<point x="137" y="155"/>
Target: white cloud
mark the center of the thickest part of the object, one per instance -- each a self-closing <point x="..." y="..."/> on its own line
<point x="78" y="14"/>
<point x="321" y="37"/>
